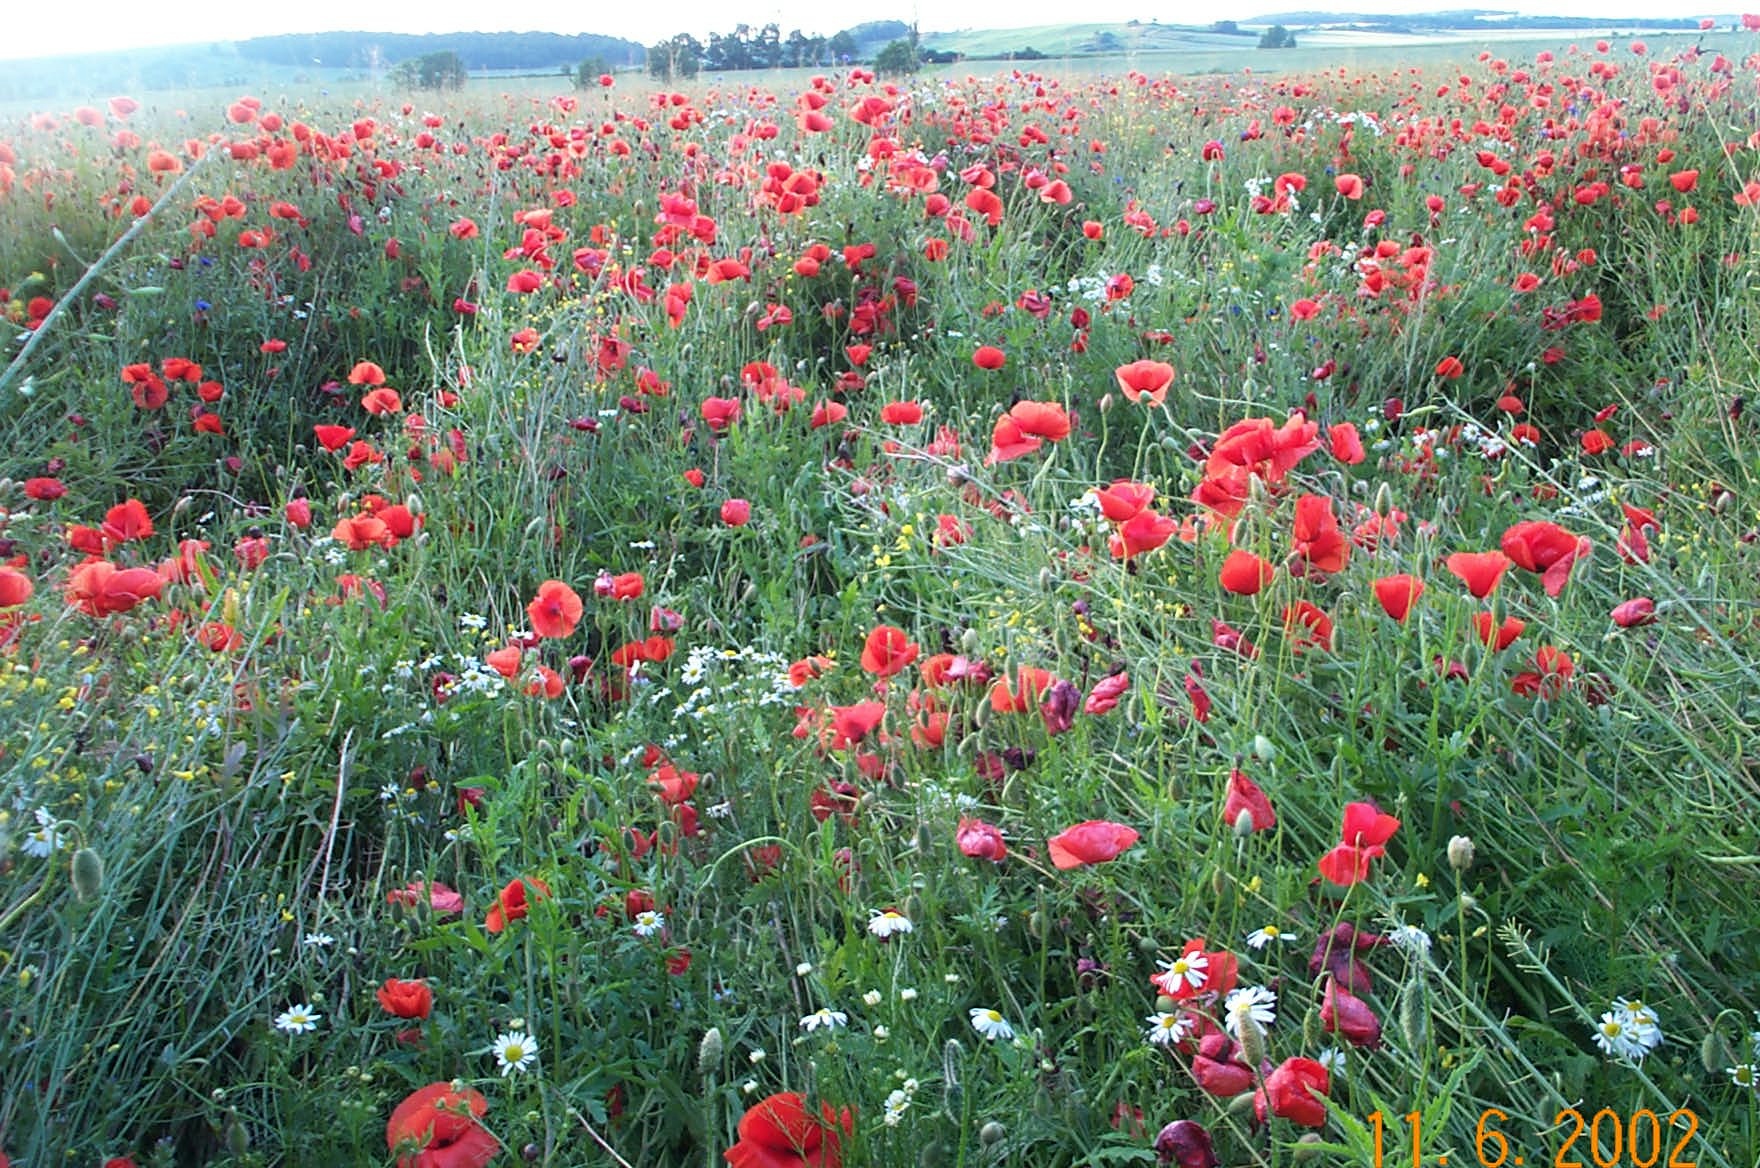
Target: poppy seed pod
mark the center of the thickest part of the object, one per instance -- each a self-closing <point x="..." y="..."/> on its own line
<point x="88" y="873"/>
<point x="991" y="1134"/>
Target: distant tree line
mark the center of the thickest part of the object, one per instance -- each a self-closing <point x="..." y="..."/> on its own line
<point x="479" y="50"/>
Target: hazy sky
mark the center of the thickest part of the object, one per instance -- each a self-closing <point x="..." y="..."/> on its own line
<point x="45" y="29"/>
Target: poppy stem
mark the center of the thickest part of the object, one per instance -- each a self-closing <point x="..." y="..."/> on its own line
<point x="114" y="250"/>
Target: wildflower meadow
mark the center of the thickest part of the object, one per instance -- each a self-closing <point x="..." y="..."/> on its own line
<point x="993" y="619"/>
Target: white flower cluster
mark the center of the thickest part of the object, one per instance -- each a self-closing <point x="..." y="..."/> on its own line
<point x="1629" y="1030"/>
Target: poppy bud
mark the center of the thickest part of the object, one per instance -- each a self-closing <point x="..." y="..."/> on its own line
<point x="1263" y="748"/>
<point x="1413" y="1015"/>
<point x="1218" y="882"/>
<point x="238" y="1140"/>
<point x="1252" y="1040"/>
<point x="1715" y="1054"/>
<point x="1307" y="1147"/>
<point x="1384" y="500"/>
<point x="709" y="1050"/>
<point x="1243" y="823"/>
<point x="992" y="1134"/>
<point x="1460" y="853"/>
<point x="88" y="873"/>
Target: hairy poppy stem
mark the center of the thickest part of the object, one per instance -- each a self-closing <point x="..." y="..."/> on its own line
<point x="114" y="250"/>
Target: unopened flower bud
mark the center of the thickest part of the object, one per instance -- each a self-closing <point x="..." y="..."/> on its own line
<point x="709" y="1050"/>
<point x="1243" y="823"/>
<point x="88" y="873"/>
<point x="1252" y="1042"/>
<point x="1460" y="853"/>
<point x="1715" y="1054"/>
<point x="991" y="1134"/>
<point x="1383" y="500"/>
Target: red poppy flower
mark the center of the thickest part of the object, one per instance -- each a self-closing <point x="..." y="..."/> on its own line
<point x="1497" y="636"/>
<point x="989" y="357"/>
<point x="127" y="521"/>
<point x="720" y="412"/>
<point x="1143" y="532"/>
<point x="555" y="610"/>
<point x="1640" y="610"/>
<point x="99" y="588"/>
<point x="1124" y="499"/>
<point x="406" y="999"/>
<point x="1031" y="682"/>
<point x="1103" y="698"/>
<point x="1479" y="571"/>
<point x="1094" y="841"/>
<point x="438" y="1127"/>
<point x="1546" y="548"/>
<point x="1316" y="537"/>
<point x="44" y="489"/>
<point x="1450" y="368"/>
<point x="15" y="587"/>
<point x="366" y="373"/>
<point x="437" y="896"/>
<point x="780" y="1132"/>
<point x="1342" y="1012"/>
<point x="1347" y="444"/>
<point x="1289" y="1092"/>
<point x="1047" y="420"/>
<point x="1008" y="441"/>
<point x="514" y="902"/>
<point x="851" y="724"/>
<point x="1218" y="1069"/>
<point x="1397" y="594"/>
<point x="980" y="840"/>
<point x="1145" y="379"/>
<point x="1307" y="626"/>
<point x="906" y="413"/>
<point x="1244" y="795"/>
<point x="1244" y="573"/>
<point x="381" y="401"/>
<point x="736" y="512"/>
<point x="887" y="651"/>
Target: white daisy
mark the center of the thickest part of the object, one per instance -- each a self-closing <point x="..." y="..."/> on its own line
<point x="1255" y="1002"/>
<point x="896" y="1103"/>
<point x="1165" y="1029"/>
<point x="1333" y="1059"/>
<point x="45" y="840"/>
<point x="297" y="1019"/>
<point x="1410" y="939"/>
<point x="515" y="1051"/>
<point x="824" y="1016"/>
<point x="1614" y="1036"/>
<point x="1744" y="1075"/>
<point x="991" y="1024"/>
<point x="649" y="922"/>
<point x="1259" y="938"/>
<point x="1191" y="968"/>
<point x="318" y="940"/>
<point x="883" y="923"/>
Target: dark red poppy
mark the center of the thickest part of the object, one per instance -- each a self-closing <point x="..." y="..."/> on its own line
<point x="1342" y="1012"/>
<point x="980" y="840"/>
